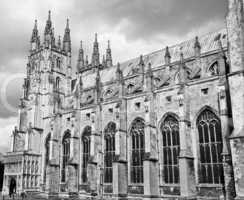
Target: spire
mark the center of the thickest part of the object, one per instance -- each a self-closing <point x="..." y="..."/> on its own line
<point x="35" y="39"/>
<point x="86" y="61"/>
<point x="220" y="46"/>
<point x="109" y="56"/>
<point x="95" y="54"/>
<point x="197" y="47"/>
<point x="182" y="69"/>
<point x="181" y="57"/>
<point x="119" y="73"/>
<point x="167" y="56"/>
<point x="141" y="62"/>
<point x="59" y="42"/>
<point x="48" y="28"/>
<point x="66" y="39"/>
<point x="80" y="63"/>
<point x="49" y="32"/>
<point x="104" y="63"/>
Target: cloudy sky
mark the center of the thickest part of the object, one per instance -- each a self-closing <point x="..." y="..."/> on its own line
<point x="134" y="27"/>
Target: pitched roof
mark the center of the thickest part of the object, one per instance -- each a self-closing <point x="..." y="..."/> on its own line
<point x="208" y="42"/>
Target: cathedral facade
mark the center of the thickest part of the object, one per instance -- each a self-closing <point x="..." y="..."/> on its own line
<point x="167" y="125"/>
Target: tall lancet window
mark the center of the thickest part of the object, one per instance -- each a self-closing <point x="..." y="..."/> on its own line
<point x="57" y="84"/>
<point x="47" y="158"/>
<point x="86" y="142"/>
<point x="66" y="154"/>
<point x="210" y="148"/>
<point x="170" y="149"/>
<point x="109" y="152"/>
<point x="137" y="150"/>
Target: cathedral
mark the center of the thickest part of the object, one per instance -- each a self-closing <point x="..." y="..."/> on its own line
<point x="166" y="125"/>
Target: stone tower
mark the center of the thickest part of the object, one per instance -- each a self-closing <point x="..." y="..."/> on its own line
<point x="48" y="80"/>
<point x="235" y="29"/>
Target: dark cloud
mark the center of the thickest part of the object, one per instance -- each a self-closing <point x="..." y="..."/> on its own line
<point x="135" y="20"/>
<point x="145" y="18"/>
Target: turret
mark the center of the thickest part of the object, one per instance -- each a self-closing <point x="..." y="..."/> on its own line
<point x="197" y="47"/>
<point x="66" y="39"/>
<point x="167" y="56"/>
<point x="35" y="38"/>
<point x="80" y="62"/>
<point x="104" y="63"/>
<point x="182" y="70"/>
<point x="49" y="39"/>
<point x="95" y="54"/>
<point x="109" y="61"/>
<point x="59" y="43"/>
<point x="86" y="61"/>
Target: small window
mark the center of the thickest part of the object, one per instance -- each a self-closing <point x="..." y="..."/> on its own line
<point x="137" y="105"/>
<point x="169" y="98"/>
<point x="88" y="116"/>
<point x="110" y="110"/>
<point x="204" y="91"/>
<point x="58" y="63"/>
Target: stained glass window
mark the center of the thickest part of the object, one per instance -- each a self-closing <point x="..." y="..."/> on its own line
<point x="171" y="149"/>
<point x="210" y="148"/>
<point x="137" y="151"/>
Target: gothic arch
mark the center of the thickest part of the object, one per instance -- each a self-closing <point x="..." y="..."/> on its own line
<point x="85" y="151"/>
<point x="165" y="116"/>
<point x="133" y="121"/>
<point x="170" y="147"/>
<point x="47" y="147"/>
<point x="136" y="150"/>
<point x="109" y="151"/>
<point x="206" y="107"/>
<point x="65" y="153"/>
<point x="210" y="146"/>
<point x="214" y="62"/>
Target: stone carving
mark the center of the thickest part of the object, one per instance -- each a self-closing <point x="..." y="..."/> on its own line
<point x="134" y="85"/>
<point x="87" y="97"/>
<point x="110" y="92"/>
<point x="162" y="79"/>
<point x="134" y="69"/>
<point x="194" y="73"/>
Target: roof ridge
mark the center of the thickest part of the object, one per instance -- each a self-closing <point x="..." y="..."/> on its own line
<point x="177" y="44"/>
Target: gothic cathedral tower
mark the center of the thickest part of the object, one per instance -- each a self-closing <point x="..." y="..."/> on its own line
<point x="47" y="83"/>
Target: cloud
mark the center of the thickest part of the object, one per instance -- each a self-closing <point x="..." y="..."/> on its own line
<point x="149" y="18"/>
<point x="6" y="128"/>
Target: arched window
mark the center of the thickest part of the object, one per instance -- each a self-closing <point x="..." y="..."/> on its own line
<point x="210" y="148"/>
<point x="58" y="63"/>
<point x="86" y="140"/>
<point x="109" y="152"/>
<point x="66" y="154"/>
<point x="214" y="69"/>
<point x="171" y="149"/>
<point x="57" y="83"/>
<point x="47" y="152"/>
<point x="137" y="150"/>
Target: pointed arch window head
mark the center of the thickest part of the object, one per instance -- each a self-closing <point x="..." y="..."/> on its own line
<point x="214" y="69"/>
<point x="137" y="150"/>
<point x="210" y="148"/>
<point x="109" y="151"/>
<point x="86" y="142"/>
<point x="66" y="154"/>
<point x="171" y="148"/>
